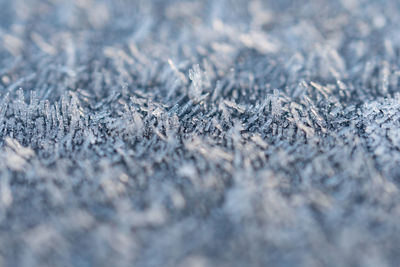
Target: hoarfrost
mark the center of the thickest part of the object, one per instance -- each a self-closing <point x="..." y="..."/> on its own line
<point x="209" y="133"/>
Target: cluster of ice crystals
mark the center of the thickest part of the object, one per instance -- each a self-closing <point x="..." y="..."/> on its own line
<point x="199" y="133"/>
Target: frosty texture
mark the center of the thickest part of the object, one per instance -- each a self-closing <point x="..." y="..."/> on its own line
<point x="199" y="133"/>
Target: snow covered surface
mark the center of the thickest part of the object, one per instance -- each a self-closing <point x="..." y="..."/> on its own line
<point x="199" y="133"/>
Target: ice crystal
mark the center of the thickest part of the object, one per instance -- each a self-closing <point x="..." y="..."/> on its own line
<point x="199" y="133"/>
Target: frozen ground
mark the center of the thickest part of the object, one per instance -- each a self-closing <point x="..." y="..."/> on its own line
<point x="199" y="133"/>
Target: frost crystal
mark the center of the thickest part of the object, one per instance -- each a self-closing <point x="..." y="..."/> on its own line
<point x="199" y="133"/>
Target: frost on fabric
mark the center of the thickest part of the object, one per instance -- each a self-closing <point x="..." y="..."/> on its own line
<point x="199" y="133"/>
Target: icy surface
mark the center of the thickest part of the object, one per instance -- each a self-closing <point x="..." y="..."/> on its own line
<point x="199" y="133"/>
